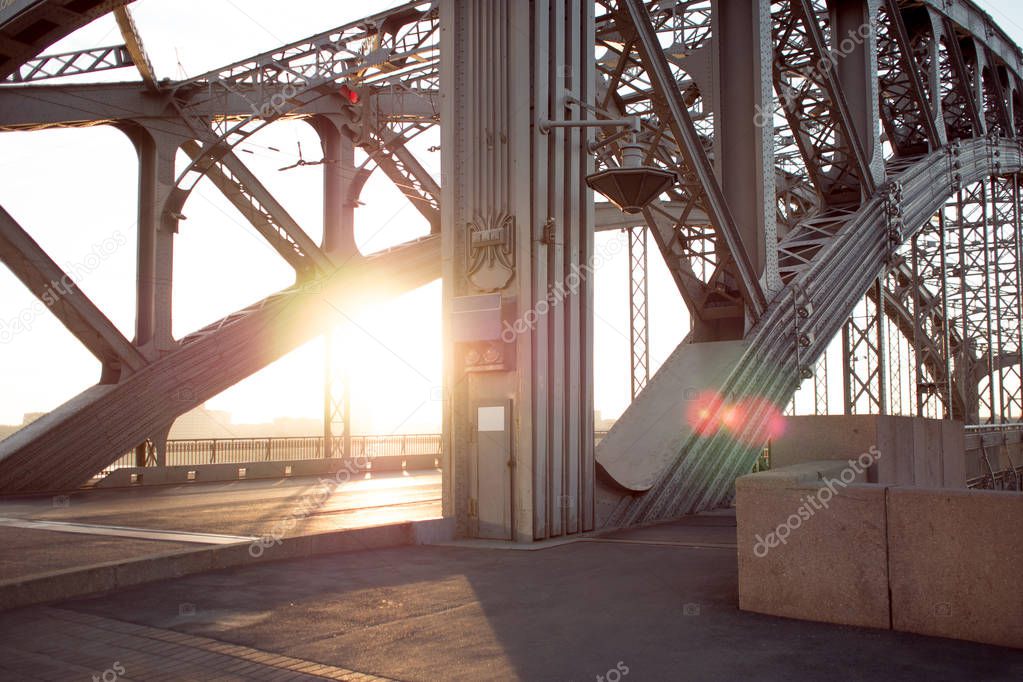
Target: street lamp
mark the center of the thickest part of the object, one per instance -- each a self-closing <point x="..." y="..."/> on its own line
<point x="631" y="186"/>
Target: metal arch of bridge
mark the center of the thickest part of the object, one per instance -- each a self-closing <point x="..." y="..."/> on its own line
<point x="696" y="479"/>
<point x="840" y="227"/>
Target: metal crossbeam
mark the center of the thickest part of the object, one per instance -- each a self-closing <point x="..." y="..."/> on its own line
<point x="72" y="64"/>
<point x="59" y="292"/>
<point x="246" y="193"/>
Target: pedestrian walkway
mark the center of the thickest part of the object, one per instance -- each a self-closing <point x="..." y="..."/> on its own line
<point x="56" y="644"/>
<point x="659" y="602"/>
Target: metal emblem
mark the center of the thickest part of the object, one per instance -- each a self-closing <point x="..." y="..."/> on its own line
<point x="491" y="253"/>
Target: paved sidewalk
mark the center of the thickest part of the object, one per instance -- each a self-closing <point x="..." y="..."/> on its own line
<point x="43" y="534"/>
<point x="660" y="601"/>
<point x="56" y="644"/>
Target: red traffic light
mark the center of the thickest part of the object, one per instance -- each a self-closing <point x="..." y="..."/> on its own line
<point x="349" y="94"/>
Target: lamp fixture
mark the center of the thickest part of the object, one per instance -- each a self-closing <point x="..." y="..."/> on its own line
<point x="633" y="185"/>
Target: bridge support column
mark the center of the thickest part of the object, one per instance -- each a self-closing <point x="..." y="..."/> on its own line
<point x="341" y="185"/>
<point x="517" y="242"/>
<point x="743" y="97"/>
<point x="854" y="45"/>
<point x="156" y="150"/>
<point x="341" y="188"/>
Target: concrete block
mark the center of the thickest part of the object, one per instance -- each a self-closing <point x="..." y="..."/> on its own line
<point x="422" y="462"/>
<point x="832" y="566"/>
<point x="927" y="453"/>
<point x="57" y="586"/>
<point x="433" y="532"/>
<point x="953" y="454"/>
<point x="914" y="451"/>
<point x="163" y="567"/>
<point x="386" y="463"/>
<point x="896" y="440"/>
<point x="815" y="438"/>
<point x="954" y="562"/>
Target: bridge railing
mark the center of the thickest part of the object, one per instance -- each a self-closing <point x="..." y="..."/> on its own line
<point x="994" y="456"/>
<point x="199" y="451"/>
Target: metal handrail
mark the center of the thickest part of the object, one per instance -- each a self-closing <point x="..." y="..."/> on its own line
<point x="985" y="437"/>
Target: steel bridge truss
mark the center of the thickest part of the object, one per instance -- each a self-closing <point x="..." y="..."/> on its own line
<point x="889" y="185"/>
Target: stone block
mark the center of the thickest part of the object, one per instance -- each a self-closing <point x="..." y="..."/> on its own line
<point x="954" y="562"/>
<point x="832" y="566"/>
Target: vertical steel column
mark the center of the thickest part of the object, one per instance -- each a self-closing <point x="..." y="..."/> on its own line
<point x="820" y="385"/>
<point x="863" y="343"/>
<point x="1003" y="247"/>
<point x="743" y="90"/>
<point x="517" y="221"/>
<point x="157" y="151"/>
<point x="969" y="290"/>
<point x="1015" y="401"/>
<point x="639" y="310"/>
<point x="934" y="396"/>
<point x="882" y="360"/>
<point x="893" y="352"/>
<point x="337" y="409"/>
<point x="342" y="185"/>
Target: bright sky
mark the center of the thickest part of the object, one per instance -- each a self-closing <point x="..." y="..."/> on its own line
<point x="72" y="189"/>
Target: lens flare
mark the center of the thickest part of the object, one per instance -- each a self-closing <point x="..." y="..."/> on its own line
<point x="769" y="423"/>
<point x="752" y="419"/>
<point x="702" y="413"/>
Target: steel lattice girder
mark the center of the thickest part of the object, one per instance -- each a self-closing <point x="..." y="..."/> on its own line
<point x="815" y="105"/>
<point x="863" y="352"/>
<point x="903" y="58"/>
<point x="398" y="47"/>
<point x="1004" y="245"/>
<point x="931" y="333"/>
<point x="639" y="310"/>
<point x="72" y="64"/>
<point x="664" y="99"/>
